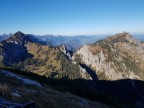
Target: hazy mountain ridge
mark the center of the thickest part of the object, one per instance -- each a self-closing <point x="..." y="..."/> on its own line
<point x="5" y="36"/>
<point x="71" y="42"/>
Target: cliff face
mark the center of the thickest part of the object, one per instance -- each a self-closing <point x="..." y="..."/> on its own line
<point x="116" y="57"/>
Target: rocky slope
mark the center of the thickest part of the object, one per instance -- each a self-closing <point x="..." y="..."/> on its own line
<point x="116" y="57"/>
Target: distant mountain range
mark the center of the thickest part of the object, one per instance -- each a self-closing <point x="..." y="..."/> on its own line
<point x="139" y="36"/>
<point x="5" y="36"/>
<point x="71" y="42"/>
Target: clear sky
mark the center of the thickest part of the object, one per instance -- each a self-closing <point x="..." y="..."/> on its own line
<point x="71" y="17"/>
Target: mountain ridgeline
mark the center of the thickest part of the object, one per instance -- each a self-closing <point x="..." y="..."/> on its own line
<point x="108" y="71"/>
<point x="116" y="57"/>
<point x="71" y="42"/>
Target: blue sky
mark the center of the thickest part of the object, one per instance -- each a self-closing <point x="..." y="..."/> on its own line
<point x="71" y="17"/>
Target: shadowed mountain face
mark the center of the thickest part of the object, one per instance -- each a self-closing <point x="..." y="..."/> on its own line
<point x="116" y="57"/>
<point x="13" y="49"/>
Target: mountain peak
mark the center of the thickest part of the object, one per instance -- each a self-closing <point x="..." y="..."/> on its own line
<point x="18" y="38"/>
<point x="123" y="34"/>
<point x="19" y="34"/>
<point x="119" y="38"/>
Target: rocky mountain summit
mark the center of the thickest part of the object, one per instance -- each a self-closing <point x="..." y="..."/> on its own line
<point x="17" y="38"/>
<point x="117" y="57"/>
